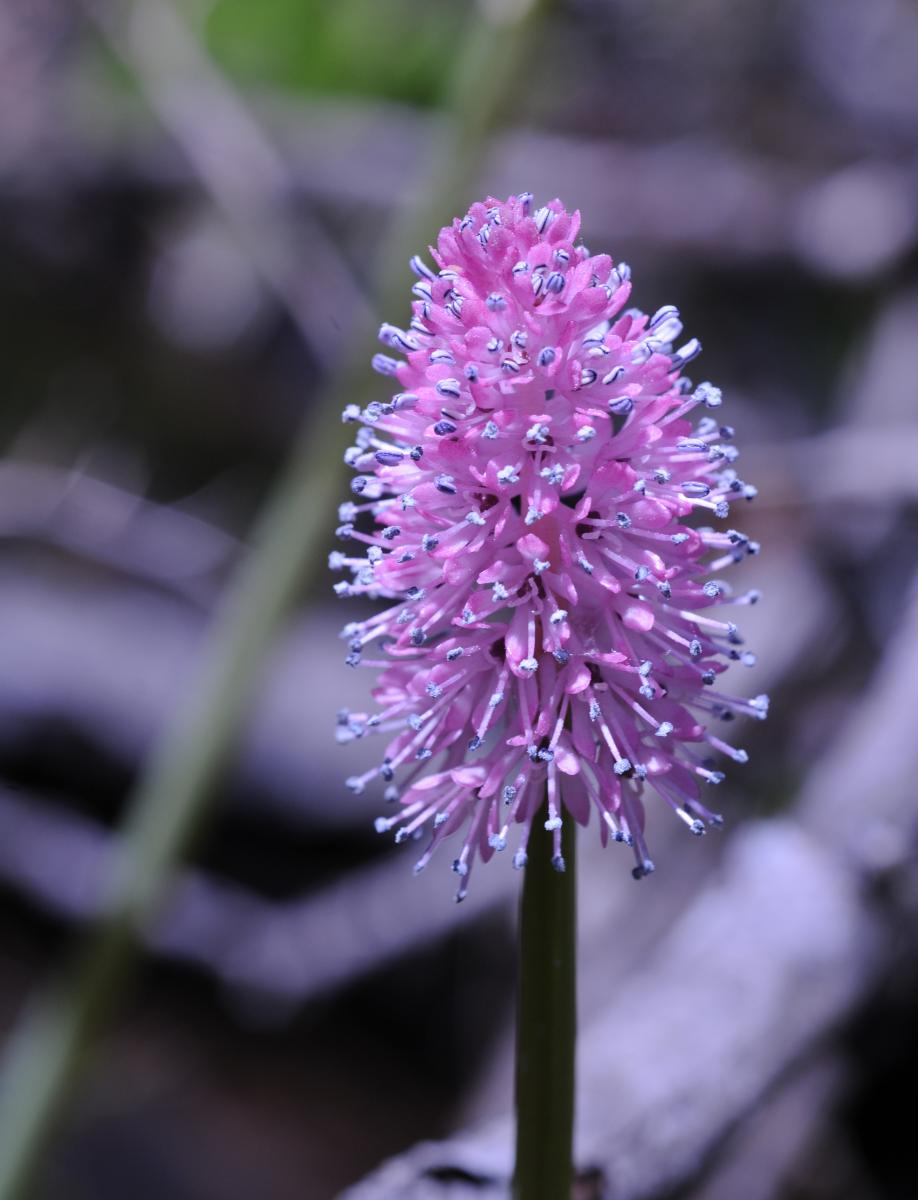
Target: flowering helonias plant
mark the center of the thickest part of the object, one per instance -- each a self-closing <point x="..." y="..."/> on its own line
<point x="535" y="499"/>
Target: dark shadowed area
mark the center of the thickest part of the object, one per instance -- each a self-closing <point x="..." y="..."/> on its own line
<point x="197" y="200"/>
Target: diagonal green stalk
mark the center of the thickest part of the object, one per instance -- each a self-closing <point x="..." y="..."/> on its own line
<point x="546" y="1019"/>
<point x="44" y="1053"/>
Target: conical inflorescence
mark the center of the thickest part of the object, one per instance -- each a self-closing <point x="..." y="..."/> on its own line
<point x="542" y="501"/>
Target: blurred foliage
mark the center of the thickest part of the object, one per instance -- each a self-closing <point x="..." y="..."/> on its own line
<point x="397" y="51"/>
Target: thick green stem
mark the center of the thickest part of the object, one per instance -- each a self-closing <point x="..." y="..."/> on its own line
<point x="547" y="1020"/>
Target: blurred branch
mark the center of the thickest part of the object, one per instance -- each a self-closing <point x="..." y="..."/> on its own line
<point x="758" y="1158"/>
<point x="283" y="953"/>
<point x="44" y="1053"/>
<point x="155" y="543"/>
<point x="75" y="650"/>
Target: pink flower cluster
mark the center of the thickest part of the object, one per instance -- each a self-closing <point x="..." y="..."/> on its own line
<point x="528" y="501"/>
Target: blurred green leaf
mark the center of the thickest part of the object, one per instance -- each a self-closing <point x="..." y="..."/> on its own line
<point x="399" y="49"/>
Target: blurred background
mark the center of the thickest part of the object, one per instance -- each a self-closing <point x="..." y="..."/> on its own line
<point x="199" y="202"/>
